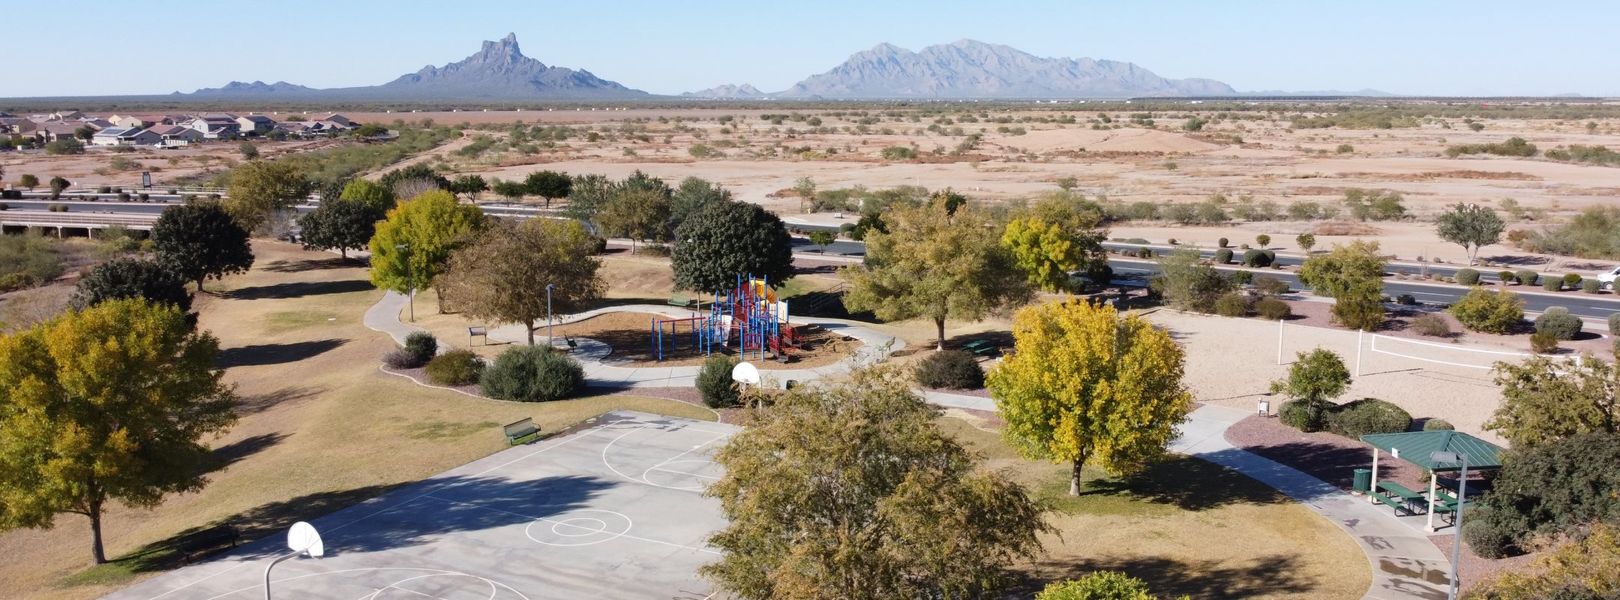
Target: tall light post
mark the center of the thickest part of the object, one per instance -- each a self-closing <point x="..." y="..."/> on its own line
<point x="1462" y="498"/>
<point x="549" y="341"/>
<point x="410" y="276"/>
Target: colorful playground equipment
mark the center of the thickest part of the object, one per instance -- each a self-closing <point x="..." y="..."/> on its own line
<point x="748" y="315"/>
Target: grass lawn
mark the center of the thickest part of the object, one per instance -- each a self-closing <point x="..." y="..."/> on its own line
<point x="320" y="427"/>
<point x="1185" y="526"/>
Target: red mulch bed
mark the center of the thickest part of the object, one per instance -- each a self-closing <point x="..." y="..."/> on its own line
<point x="1326" y="456"/>
<point x="1473" y="570"/>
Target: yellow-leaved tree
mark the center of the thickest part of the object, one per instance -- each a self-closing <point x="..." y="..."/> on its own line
<point x="1085" y="386"/>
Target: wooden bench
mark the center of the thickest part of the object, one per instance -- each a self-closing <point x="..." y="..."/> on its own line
<point x="521" y="432"/>
<point x="980" y="347"/>
<point x="477" y="331"/>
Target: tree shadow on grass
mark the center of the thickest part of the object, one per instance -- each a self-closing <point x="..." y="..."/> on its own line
<point x="1169" y="578"/>
<point x="379" y="517"/>
<point x="1188" y="484"/>
<point x="262" y="402"/>
<point x="313" y="264"/>
<point x="233" y="452"/>
<point x="274" y="354"/>
<point x="299" y="289"/>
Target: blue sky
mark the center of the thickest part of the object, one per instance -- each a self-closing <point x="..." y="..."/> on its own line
<point x="1482" y="47"/>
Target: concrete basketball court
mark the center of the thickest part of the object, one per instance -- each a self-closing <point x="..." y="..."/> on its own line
<point x="612" y="510"/>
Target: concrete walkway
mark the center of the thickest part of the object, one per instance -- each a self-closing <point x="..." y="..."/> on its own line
<point x="1405" y="565"/>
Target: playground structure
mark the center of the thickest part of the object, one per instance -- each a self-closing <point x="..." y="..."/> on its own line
<point x="748" y="315"/>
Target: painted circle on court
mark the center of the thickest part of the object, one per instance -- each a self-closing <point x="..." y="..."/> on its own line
<point x="578" y="527"/>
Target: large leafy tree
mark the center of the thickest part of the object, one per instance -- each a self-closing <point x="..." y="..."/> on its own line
<point x="1552" y="489"/>
<point x="549" y="185"/>
<point x="1043" y="251"/>
<point x="110" y="403"/>
<point x="412" y="246"/>
<point x="1470" y="226"/>
<point x="1187" y="283"/>
<point x="131" y="278"/>
<point x="852" y="491"/>
<point x="503" y="274"/>
<point x="1353" y="276"/>
<point x="201" y="240"/>
<point x="692" y="196"/>
<point x="933" y="264"/>
<point x="260" y="188"/>
<point x="341" y="225"/>
<point x="1315" y="376"/>
<point x="636" y="213"/>
<point x="1544" y="401"/>
<point x="380" y="198"/>
<point x="726" y="239"/>
<point x="588" y="195"/>
<point x="1084" y="386"/>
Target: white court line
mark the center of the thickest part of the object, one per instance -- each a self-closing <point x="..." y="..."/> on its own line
<point x="678" y="456"/>
<point x="663" y="470"/>
<point x="370" y="515"/>
<point x="555" y="522"/>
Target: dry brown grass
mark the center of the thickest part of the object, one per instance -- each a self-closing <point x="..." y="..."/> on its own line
<point x="321" y="426"/>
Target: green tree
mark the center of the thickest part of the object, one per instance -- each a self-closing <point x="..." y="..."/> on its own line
<point x="111" y="403"/>
<point x="936" y="265"/>
<point x="1262" y="240"/>
<point x="851" y="490"/>
<point x="503" y="275"/>
<point x="727" y="239"/>
<point x="1315" y="376"/>
<point x="379" y="198"/>
<point x="823" y="238"/>
<point x="805" y="189"/>
<point x="1470" y="226"/>
<point x="122" y="278"/>
<point x="1545" y="401"/>
<point x="340" y="225"/>
<point x="1550" y="490"/>
<point x="1084" y="386"/>
<point x="59" y="185"/>
<point x="1187" y="283"/>
<point x="949" y="199"/>
<point x="636" y="213"/>
<point x="1306" y="241"/>
<point x="692" y="196"/>
<point x="1491" y="312"/>
<point x="549" y="185"/>
<point x="412" y="246"/>
<point x="1353" y="276"/>
<point x="201" y="240"/>
<point x="64" y="146"/>
<point x="84" y="132"/>
<point x="28" y="180"/>
<point x="471" y="185"/>
<point x="510" y="190"/>
<point x="261" y="188"/>
<point x="1046" y="252"/>
<point x="587" y="196"/>
<point x="1585" y="567"/>
<point x="249" y="150"/>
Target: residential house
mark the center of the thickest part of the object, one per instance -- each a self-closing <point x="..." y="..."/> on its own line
<point x="139" y="137"/>
<point x="97" y="124"/>
<point x="51" y="131"/>
<point x="109" y="136"/>
<point x="216" y="126"/>
<point x="17" y="125"/>
<point x="69" y="115"/>
<point x="292" y="128"/>
<point x="177" y="135"/>
<point x="336" y="119"/>
<point x="255" y="124"/>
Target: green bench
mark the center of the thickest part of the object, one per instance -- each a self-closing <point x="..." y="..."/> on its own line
<point x="1404" y="498"/>
<point x="682" y="301"/>
<point x="980" y="347"/>
<point x="521" y="432"/>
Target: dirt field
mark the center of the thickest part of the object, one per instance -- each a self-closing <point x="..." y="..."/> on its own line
<point x="320" y="426"/>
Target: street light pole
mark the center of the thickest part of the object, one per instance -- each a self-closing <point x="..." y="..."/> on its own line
<point x="549" y="340"/>
<point x="1462" y="499"/>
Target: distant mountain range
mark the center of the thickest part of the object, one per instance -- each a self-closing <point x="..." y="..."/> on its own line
<point x="497" y="72"/>
<point x="962" y="70"/>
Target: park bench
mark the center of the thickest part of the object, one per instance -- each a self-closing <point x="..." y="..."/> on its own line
<point x="1404" y="499"/>
<point x="202" y="544"/>
<point x="681" y="301"/>
<point x="521" y="432"/>
<point x="980" y="347"/>
<point x="477" y="331"/>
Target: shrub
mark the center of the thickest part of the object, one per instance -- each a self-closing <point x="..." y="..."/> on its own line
<point x="1488" y="311"/>
<point x="715" y="384"/>
<point x="1406" y="300"/>
<point x="1542" y="342"/>
<point x="1232" y="304"/>
<point x="1368" y="415"/>
<point x="1241" y="277"/>
<point x="951" y="370"/>
<point x="1489" y="535"/>
<point x="421" y="346"/>
<point x="1591" y="286"/>
<point x="1437" y="425"/>
<point x="1144" y="253"/>
<point x="532" y="374"/>
<point x="1270" y="286"/>
<point x="399" y="358"/>
<point x="1525" y="277"/>
<point x="456" y="367"/>
<point x="1555" y="488"/>
<point x="1305" y="415"/>
<point x="1222" y="243"/>
<point x="1572" y="280"/>
<point x="1614" y="324"/>
<point x="1552" y="283"/>
<point x="1558" y="322"/>
<point x="1258" y="258"/>
<point x="1098" y="585"/>
<point x="1431" y="325"/>
<point x="1467" y="276"/>
<point x="1272" y="309"/>
<point x="1224" y="255"/>
<point x="1505" y="277"/>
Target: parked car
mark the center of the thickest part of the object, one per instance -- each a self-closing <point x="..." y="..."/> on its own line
<point x="1607" y="277"/>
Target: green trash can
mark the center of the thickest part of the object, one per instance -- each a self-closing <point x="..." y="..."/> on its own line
<point x="1362" y="480"/>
